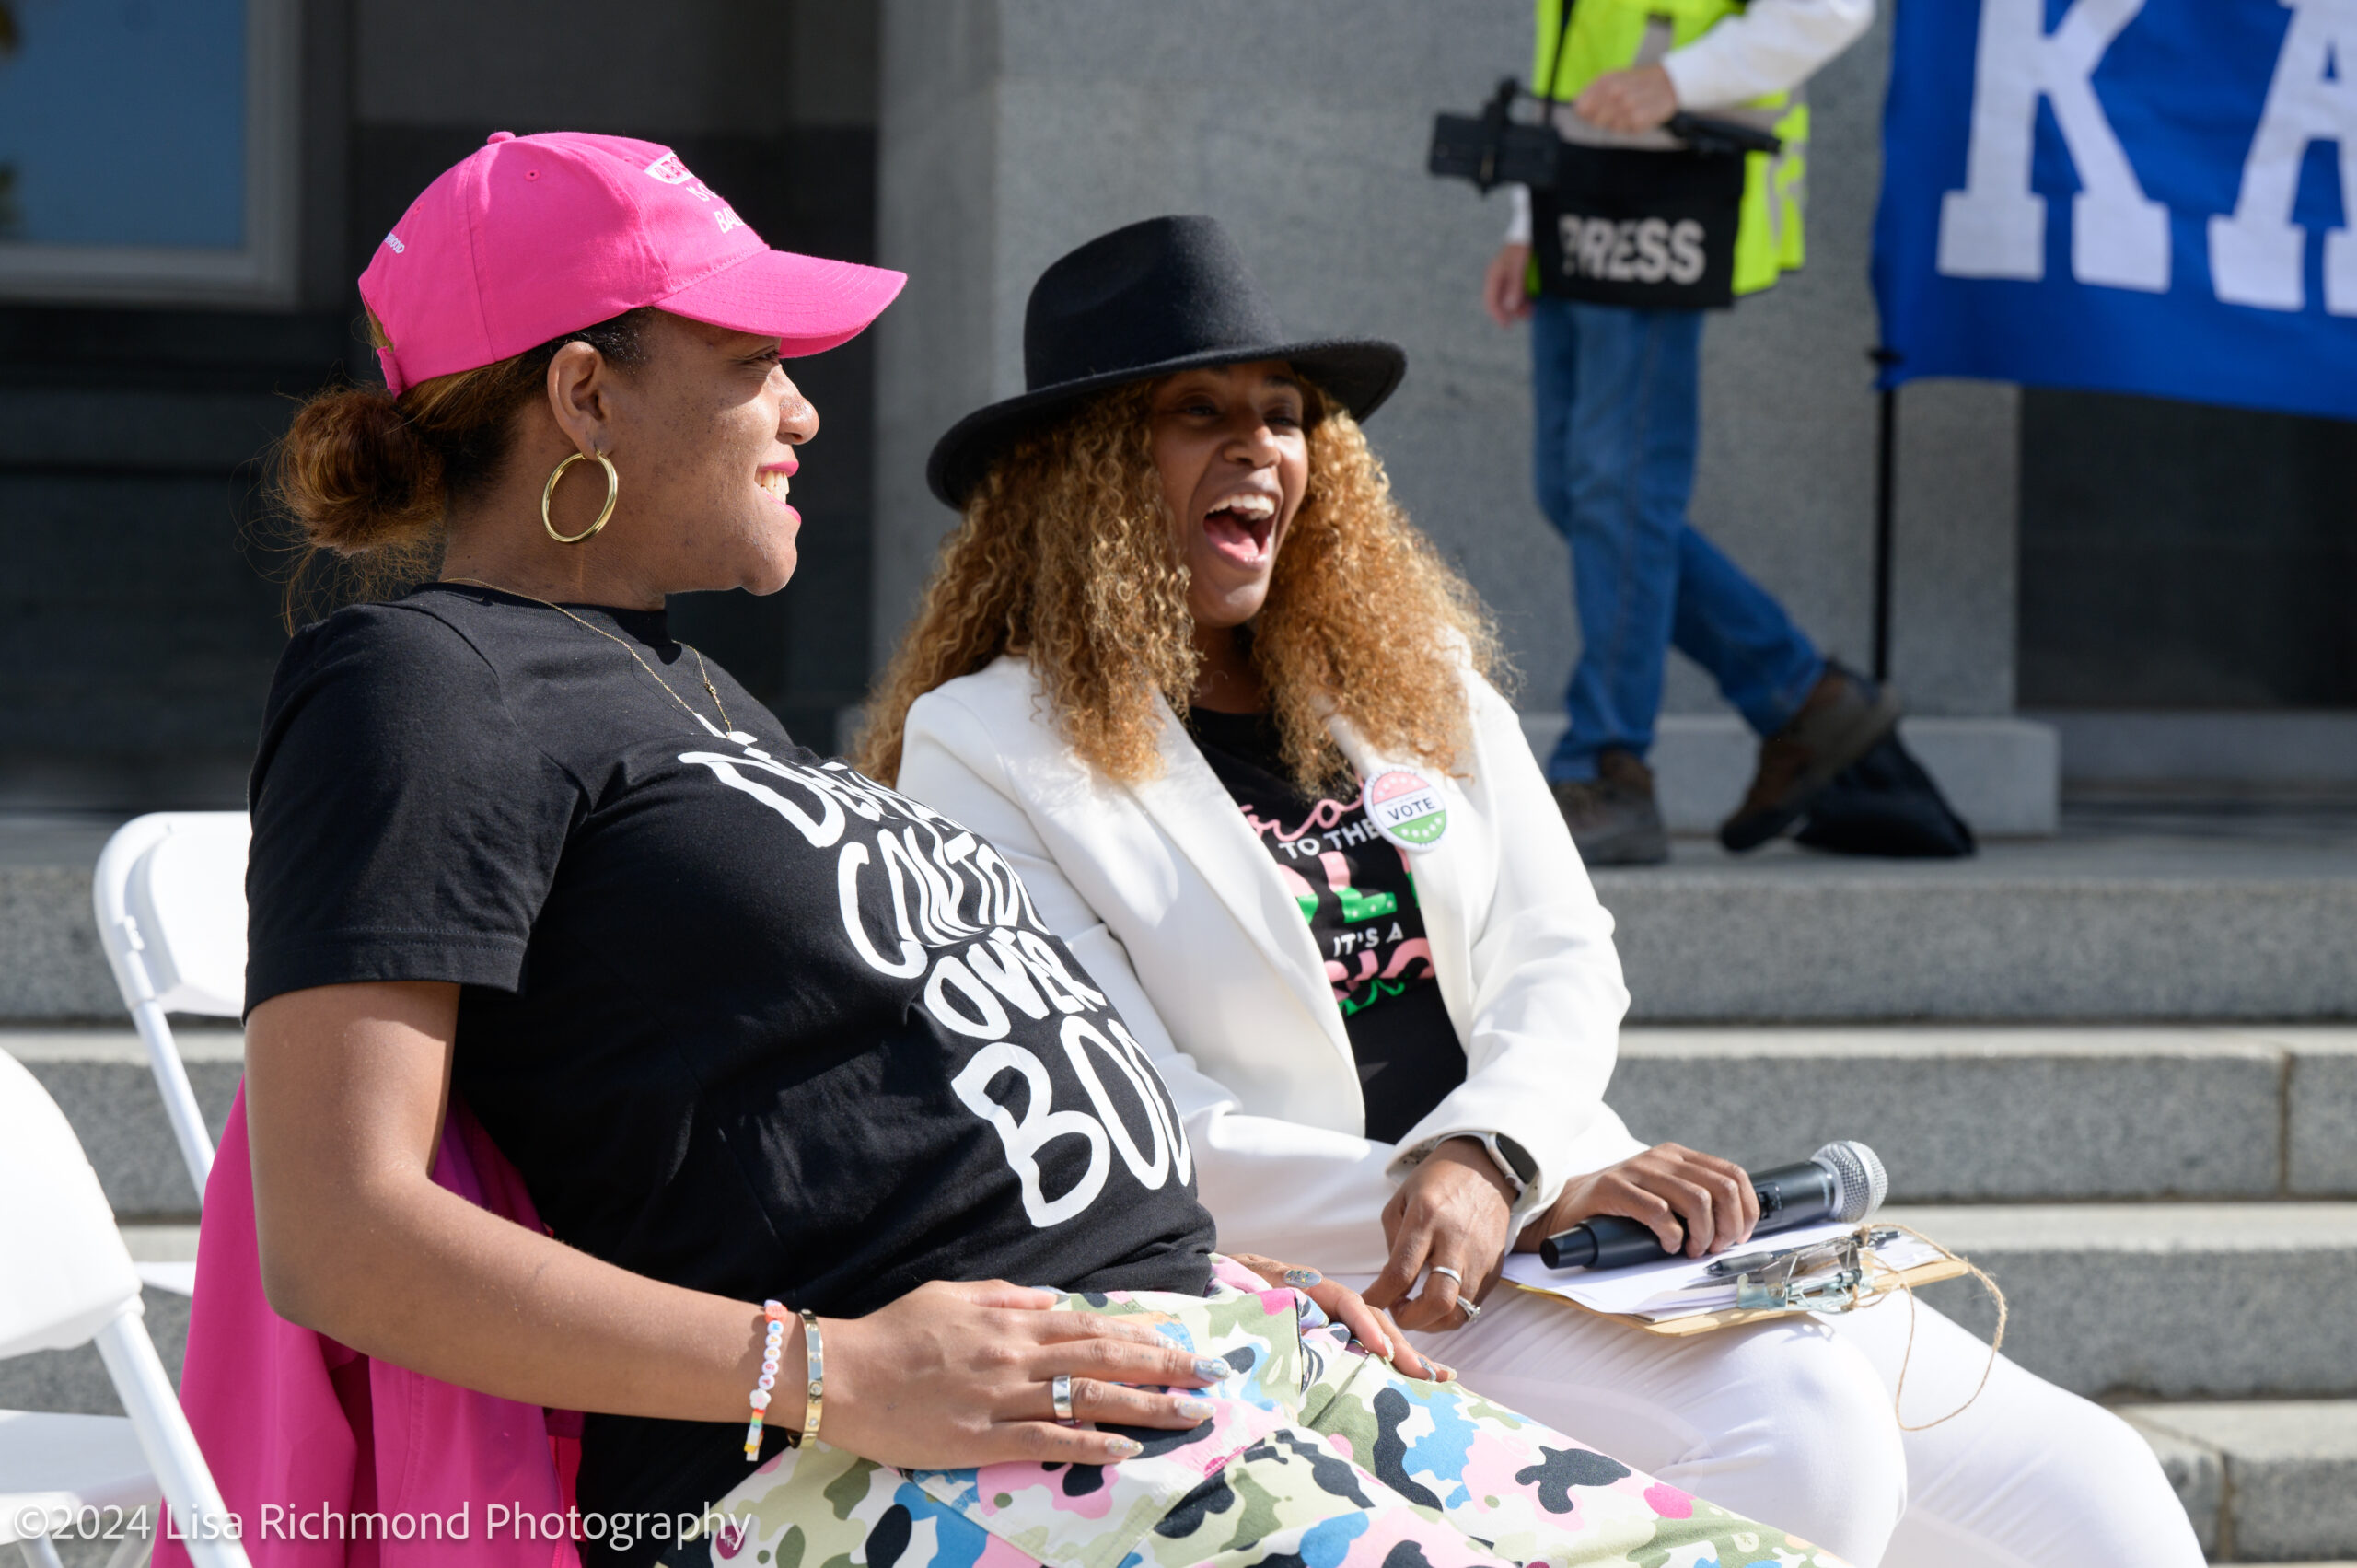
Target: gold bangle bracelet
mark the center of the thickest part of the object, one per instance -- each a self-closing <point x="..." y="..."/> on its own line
<point x="814" y="1349"/>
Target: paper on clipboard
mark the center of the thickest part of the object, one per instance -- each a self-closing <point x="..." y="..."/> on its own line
<point x="1684" y="1288"/>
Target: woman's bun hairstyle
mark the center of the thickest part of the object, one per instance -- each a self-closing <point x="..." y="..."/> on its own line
<point x="356" y="476"/>
<point x="367" y="479"/>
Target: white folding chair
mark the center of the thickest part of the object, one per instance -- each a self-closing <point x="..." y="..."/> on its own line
<point x="68" y="1281"/>
<point x="171" y="898"/>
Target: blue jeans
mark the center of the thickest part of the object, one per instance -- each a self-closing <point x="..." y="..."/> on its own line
<point x="1618" y="394"/>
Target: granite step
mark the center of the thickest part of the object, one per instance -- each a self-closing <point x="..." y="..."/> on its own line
<point x="2262" y="1480"/>
<point x="1977" y="1114"/>
<point x="2114" y="920"/>
<point x="51" y="964"/>
<point x="2154" y="1301"/>
<point x="2272" y="1278"/>
<point x="2163" y="1301"/>
<point x="1961" y="1113"/>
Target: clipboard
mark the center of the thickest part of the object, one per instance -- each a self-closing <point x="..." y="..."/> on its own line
<point x="1880" y="1281"/>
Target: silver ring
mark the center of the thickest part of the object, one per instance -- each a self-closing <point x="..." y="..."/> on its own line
<point x="1464" y="1305"/>
<point x="1060" y="1395"/>
<point x="1452" y="1274"/>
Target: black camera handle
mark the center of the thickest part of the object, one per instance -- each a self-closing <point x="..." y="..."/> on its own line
<point x="1555" y="65"/>
<point x="1493" y="116"/>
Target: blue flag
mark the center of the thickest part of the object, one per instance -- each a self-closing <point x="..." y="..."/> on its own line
<point x="2151" y="196"/>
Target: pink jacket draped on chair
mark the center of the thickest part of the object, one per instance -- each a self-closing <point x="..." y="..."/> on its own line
<point x="306" y="1436"/>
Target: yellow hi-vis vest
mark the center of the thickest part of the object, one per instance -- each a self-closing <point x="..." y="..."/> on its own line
<point x="1609" y="35"/>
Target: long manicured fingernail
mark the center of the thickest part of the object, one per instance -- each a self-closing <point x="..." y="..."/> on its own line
<point x="1194" y="1410"/>
<point x="1125" y="1448"/>
<point x="1304" y="1279"/>
<point x="1211" y="1368"/>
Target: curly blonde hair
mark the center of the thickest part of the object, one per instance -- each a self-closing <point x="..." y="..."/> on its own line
<point x="1065" y="557"/>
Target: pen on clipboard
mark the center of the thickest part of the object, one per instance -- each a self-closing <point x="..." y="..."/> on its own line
<point x="1727" y="1268"/>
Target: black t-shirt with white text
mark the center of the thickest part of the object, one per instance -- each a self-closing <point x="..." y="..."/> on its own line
<point x="745" y="1021"/>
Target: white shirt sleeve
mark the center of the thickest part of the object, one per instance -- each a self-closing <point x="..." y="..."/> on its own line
<point x="1769" y="47"/>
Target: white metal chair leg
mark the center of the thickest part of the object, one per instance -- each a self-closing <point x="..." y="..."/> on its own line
<point x="179" y="1100"/>
<point x="40" y="1552"/>
<point x="202" y="1518"/>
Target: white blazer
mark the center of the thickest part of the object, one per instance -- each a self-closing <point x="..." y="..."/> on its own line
<point x="1179" y="913"/>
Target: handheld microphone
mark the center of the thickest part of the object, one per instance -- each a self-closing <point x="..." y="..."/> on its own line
<point x="1841" y="1181"/>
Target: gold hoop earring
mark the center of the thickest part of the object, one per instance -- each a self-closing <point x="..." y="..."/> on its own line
<point x="613" y="494"/>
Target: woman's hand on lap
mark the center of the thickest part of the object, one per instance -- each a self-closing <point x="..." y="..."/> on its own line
<point x="1371" y="1325"/>
<point x="956" y="1374"/>
<point x="1694" y="1202"/>
<point x="1454" y="1211"/>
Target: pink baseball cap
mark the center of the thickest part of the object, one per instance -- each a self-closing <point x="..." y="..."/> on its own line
<point x="533" y="236"/>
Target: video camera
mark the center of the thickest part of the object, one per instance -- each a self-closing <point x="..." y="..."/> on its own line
<point x="1643" y="223"/>
<point x="1492" y="148"/>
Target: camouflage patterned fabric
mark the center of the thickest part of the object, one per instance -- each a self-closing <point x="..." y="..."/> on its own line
<point x="1320" y="1457"/>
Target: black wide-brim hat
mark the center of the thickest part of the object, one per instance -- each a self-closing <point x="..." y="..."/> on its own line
<point x="1167" y="294"/>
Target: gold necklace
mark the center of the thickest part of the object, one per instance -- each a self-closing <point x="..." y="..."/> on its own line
<point x="709" y="690"/>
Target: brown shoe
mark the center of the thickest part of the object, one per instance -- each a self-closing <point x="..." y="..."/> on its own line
<point x="1842" y="718"/>
<point x="1612" y="817"/>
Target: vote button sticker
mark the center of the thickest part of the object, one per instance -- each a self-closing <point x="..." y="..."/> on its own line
<point x="1405" y="808"/>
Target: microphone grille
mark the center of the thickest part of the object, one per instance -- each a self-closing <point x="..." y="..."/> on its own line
<point x="1858" y="1180"/>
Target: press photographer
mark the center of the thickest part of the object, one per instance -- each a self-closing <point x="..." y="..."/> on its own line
<point x="1675" y="132"/>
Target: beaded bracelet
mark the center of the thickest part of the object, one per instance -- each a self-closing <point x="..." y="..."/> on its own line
<point x="772" y="1348"/>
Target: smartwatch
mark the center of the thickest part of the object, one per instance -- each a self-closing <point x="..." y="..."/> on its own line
<point x="1514" y="1161"/>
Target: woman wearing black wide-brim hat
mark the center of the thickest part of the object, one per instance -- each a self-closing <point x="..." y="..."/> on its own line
<point x="1141" y="302"/>
<point x="1187" y="663"/>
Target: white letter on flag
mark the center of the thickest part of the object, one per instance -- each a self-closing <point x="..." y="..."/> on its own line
<point x="1995" y="227"/>
<point x="2256" y="256"/>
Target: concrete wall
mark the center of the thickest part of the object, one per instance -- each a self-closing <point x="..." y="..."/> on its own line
<point x="693" y="66"/>
<point x="2176" y="556"/>
<point x="1012" y="130"/>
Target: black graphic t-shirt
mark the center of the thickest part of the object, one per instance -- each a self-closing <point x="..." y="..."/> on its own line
<point x="1355" y="889"/>
<point x="745" y="1021"/>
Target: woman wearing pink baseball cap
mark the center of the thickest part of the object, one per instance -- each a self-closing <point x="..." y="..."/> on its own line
<point x="794" y="1073"/>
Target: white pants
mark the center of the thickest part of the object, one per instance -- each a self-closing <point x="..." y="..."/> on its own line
<point x="1792" y="1424"/>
